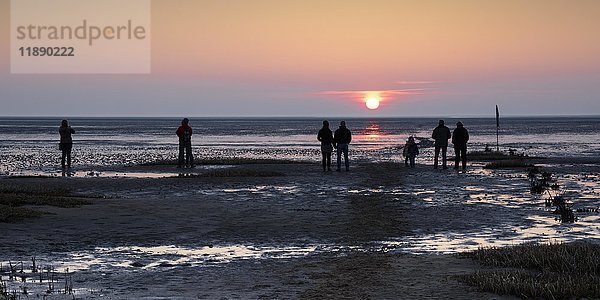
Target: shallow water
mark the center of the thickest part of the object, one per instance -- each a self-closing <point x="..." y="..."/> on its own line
<point x="532" y="220"/>
<point x="102" y="261"/>
<point x="32" y="143"/>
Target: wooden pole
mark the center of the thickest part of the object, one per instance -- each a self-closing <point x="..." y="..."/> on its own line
<point x="497" y="130"/>
<point x="497" y="140"/>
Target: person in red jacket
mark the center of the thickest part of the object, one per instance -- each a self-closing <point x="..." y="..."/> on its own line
<point x="184" y="132"/>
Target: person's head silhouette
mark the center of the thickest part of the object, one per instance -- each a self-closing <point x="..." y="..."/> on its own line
<point x="64" y="123"/>
<point x="459" y="124"/>
<point x="326" y="124"/>
<point x="343" y="124"/>
<point x="185" y="121"/>
<point x="441" y="122"/>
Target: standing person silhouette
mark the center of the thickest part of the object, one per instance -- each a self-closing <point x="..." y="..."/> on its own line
<point x="184" y="132"/>
<point x="66" y="142"/>
<point x="460" y="137"/>
<point x="341" y="139"/>
<point x="441" y="135"/>
<point x="411" y="150"/>
<point x="325" y="136"/>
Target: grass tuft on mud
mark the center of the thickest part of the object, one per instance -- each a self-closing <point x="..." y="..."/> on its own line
<point x="14" y="197"/>
<point x="508" y="164"/>
<point x="495" y="155"/>
<point x="488" y="155"/>
<point x="550" y="271"/>
<point x="9" y="214"/>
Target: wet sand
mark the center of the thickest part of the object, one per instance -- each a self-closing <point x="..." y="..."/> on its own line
<point x="376" y="232"/>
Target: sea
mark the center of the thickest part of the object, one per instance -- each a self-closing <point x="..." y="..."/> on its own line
<point x="31" y="143"/>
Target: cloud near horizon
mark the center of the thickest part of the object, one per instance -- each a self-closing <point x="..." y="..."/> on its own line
<point x="416" y="91"/>
<point x="383" y="94"/>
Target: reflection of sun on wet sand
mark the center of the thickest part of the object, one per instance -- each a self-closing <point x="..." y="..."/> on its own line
<point x="294" y="233"/>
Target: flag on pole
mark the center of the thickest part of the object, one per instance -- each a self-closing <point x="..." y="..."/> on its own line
<point x="497" y="117"/>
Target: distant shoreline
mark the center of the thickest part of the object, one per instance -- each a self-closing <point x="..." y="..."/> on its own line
<point x="507" y="117"/>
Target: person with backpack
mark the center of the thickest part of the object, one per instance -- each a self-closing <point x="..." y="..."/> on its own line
<point x="411" y="150"/>
<point x="325" y="136"/>
<point x="184" y="132"/>
<point x="341" y="139"/>
<point x="441" y="135"/>
<point x="66" y="143"/>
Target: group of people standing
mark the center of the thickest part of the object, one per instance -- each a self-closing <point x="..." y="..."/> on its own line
<point x="340" y="139"/>
<point x="441" y="135"/>
<point x="460" y="137"/>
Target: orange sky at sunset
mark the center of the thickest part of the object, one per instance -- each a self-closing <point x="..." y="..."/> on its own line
<point x="288" y="54"/>
<point x="393" y="39"/>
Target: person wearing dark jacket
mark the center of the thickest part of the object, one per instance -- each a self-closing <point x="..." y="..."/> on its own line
<point x="341" y="139"/>
<point x="441" y="135"/>
<point x="460" y="137"/>
<point x="325" y="136"/>
<point x="184" y="132"/>
<point x="411" y="150"/>
<point x="66" y="142"/>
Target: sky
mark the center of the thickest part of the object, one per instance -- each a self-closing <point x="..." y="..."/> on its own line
<point x="323" y="58"/>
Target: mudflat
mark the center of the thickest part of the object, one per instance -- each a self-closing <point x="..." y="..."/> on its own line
<point x="380" y="231"/>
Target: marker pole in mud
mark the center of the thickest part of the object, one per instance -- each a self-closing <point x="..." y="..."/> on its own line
<point x="497" y="130"/>
<point x="497" y="140"/>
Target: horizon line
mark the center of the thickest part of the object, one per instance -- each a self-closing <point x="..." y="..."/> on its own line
<point x="491" y="116"/>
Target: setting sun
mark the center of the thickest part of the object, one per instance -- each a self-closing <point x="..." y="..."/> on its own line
<point x="372" y="102"/>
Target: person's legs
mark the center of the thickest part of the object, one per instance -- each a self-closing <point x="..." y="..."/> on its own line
<point x="181" y="150"/>
<point x="192" y="163"/>
<point x="412" y="161"/>
<point x="464" y="157"/>
<point x="346" y="161"/>
<point x="406" y="160"/>
<point x="436" y="156"/>
<point x="69" y="150"/>
<point x="457" y="153"/>
<point x="63" y="156"/>
<point x="189" y="156"/>
<point x="444" y="152"/>
<point x="328" y="161"/>
<point x="339" y="157"/>
<point x="324" y="159"/>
